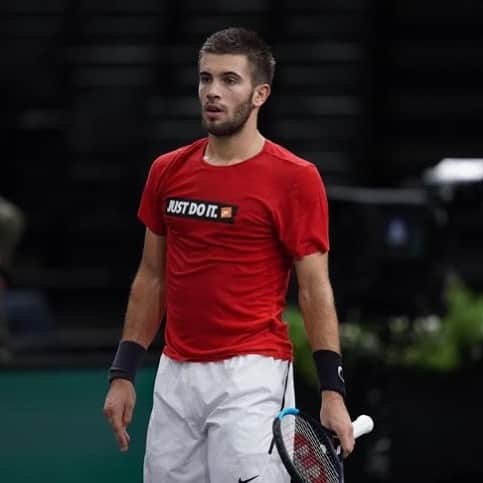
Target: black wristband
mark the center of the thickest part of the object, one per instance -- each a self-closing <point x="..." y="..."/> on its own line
<point x="329" y="371"/>
<point x="128" y="358"/>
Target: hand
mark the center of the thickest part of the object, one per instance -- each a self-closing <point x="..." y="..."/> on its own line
<point x="118" y="409"/>
<point x="334" y="416"/>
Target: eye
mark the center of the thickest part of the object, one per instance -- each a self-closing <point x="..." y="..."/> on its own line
<point x="230" y="80"/>
<point x="204" y="78"/>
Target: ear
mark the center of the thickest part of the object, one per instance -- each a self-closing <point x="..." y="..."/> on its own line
<point x="260" y="95"/>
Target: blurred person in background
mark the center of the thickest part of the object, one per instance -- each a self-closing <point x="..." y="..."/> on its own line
<point x="11" y="229"/>
<point x="226" y="219"/>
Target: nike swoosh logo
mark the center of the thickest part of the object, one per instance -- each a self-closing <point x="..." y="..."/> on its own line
<point x="249" y="479"/>
<point x="340" y="373"/>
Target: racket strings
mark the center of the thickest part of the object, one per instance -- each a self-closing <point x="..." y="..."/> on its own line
<point x="311" y="457"/>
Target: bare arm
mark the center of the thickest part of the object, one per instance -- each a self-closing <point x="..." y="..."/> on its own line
<point x="147" y="302"/>
<point x="145" y="310"/>
<point x="316" y="301"/>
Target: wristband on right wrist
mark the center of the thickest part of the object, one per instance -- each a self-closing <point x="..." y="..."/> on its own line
<point x="329" y="371"/>
<point x="127" y="360"/>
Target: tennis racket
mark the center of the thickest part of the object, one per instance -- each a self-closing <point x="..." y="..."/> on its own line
<point x="310" y="452"/>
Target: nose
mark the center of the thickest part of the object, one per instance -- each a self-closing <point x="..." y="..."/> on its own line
<point x="213" y="92"/>
<point x="212" y="96"/>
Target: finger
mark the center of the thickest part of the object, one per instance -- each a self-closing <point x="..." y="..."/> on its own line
<point x="108" y="411"/>
<point x="127" y="415"/>
<point x="123" y="441"/>
<point x="119" y="430"/>
<point x="111" y="409"/>
<point x="112" y="416"/>
<point x="346" y="438"/>
<point x="122" y="437"/>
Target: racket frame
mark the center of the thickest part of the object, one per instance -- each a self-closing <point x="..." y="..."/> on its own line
<point x="323" y="435"/>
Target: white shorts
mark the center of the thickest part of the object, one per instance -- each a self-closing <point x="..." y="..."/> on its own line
<point x="211" y="422"/>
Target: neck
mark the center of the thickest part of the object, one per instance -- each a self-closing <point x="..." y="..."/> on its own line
<point x="227" y="150"/>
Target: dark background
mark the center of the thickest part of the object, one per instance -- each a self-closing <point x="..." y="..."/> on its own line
<point x="373" y="92"/>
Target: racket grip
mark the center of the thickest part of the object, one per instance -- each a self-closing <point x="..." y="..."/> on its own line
<point x="362" y="425"/>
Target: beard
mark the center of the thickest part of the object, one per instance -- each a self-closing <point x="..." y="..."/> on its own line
<point x="231" y="126"/>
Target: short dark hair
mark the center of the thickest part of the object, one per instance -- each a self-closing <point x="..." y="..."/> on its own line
<point x="238" y="40"/>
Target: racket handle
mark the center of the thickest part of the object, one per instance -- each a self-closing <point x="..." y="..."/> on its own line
<point x="362" y="425"/>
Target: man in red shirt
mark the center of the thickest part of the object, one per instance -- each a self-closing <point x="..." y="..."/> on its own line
<point x="226" y="219"/>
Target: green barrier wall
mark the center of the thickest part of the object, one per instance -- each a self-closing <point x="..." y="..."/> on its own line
<point x="53" y="430"/>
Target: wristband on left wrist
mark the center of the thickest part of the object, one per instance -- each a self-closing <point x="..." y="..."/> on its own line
<point x="329" y="371"/>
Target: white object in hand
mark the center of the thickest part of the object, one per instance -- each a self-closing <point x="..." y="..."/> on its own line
<point x="362" y="425"/>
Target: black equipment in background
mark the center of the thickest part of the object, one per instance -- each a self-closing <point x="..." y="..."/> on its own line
<point x="387" y="250"/>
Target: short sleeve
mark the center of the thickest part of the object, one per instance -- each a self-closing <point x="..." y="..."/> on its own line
<point x="151" y="206"/>
<point x="302" y="217"/>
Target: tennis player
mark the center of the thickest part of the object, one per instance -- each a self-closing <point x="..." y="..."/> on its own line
<point x="227" y="217"/>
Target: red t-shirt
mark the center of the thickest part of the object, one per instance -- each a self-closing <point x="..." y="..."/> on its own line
<point x="232" y="233"/>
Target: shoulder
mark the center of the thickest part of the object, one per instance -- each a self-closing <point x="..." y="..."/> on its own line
<point x="163" y="162"/>
<point x="299" y="170"/>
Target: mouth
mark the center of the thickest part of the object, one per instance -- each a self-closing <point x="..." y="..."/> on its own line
<point x="213" y="109"/>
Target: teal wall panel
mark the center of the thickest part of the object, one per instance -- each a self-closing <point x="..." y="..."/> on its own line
<point x="53" y="429"/>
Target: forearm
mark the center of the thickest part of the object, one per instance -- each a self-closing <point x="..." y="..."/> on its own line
<point x="317" y="304"/>
<point x="316" y="301"/>
<point x="145" y="309"/>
